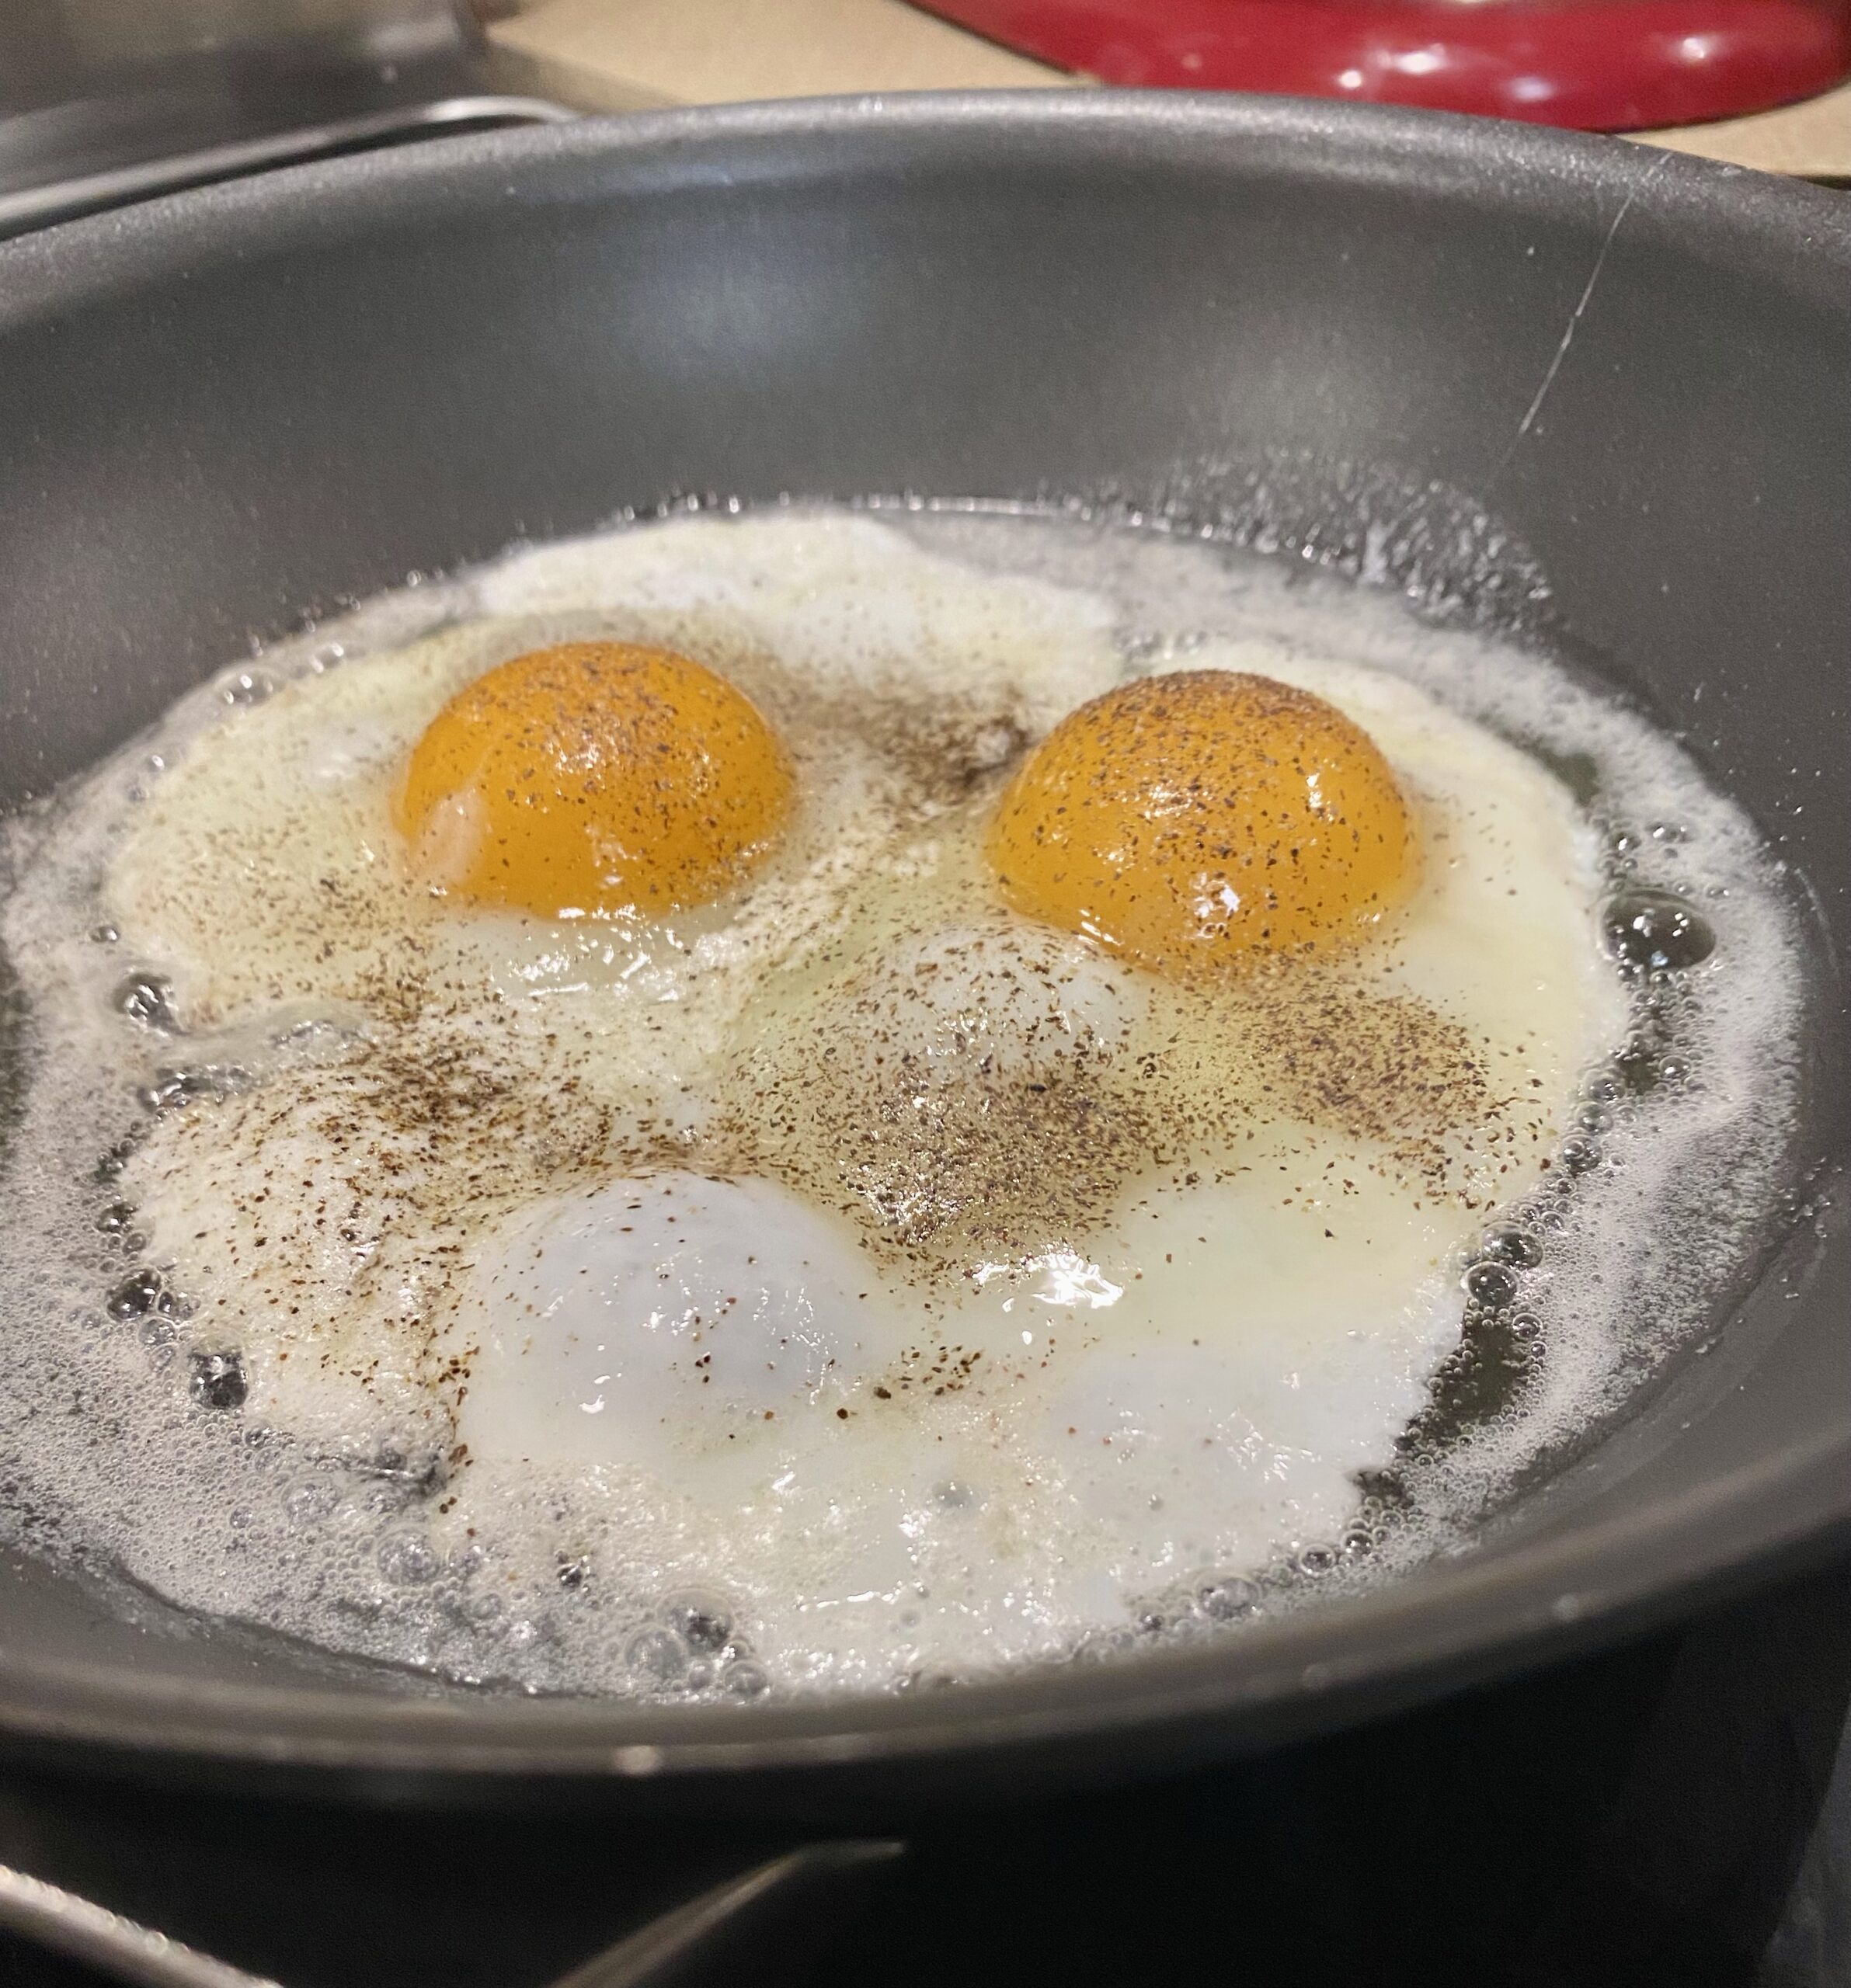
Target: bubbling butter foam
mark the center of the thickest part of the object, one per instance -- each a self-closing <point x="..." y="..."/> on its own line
<point x="202" y="1088"/>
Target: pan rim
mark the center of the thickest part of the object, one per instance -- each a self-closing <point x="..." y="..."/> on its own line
<point x="1539" y="166"/>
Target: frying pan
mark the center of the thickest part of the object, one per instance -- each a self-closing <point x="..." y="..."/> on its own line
<point x="1595" y="390"/>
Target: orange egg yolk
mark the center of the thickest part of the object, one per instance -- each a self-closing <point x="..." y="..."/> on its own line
<point x="1205" y="818"/>
<point x="594" y="777"/>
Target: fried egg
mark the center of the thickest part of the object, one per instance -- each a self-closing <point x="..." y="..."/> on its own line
<point x="774" y="1061"/>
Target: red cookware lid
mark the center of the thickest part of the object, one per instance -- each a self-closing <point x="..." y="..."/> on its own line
<point x="1597" y="65"/>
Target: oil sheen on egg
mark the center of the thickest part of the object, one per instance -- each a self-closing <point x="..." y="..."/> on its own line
<point x="905" y="1270"/>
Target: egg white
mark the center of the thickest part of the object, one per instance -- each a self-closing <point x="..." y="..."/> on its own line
<point x="1189" y="1387"/>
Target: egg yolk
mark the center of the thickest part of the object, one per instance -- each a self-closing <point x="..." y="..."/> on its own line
<point x="1205" y="818"/>
<point x="594" y="777"/>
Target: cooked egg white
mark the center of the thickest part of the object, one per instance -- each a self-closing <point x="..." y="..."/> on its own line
<point x="931" y="1282"/>
<point x="825" y="1230"/>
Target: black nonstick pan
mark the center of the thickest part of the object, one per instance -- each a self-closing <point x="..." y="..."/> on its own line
<point x="1593" y="390"/>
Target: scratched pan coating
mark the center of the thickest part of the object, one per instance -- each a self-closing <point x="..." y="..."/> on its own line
<point x="1600" y="394"/>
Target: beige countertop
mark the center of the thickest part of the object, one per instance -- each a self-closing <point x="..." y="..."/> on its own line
<point x="626" y="55"/>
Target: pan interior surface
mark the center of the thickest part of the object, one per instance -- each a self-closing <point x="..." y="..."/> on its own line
<point x="1499" y="372"/>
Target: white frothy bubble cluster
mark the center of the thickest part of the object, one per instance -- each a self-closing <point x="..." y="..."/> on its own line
<point x="121" y="1439"/>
